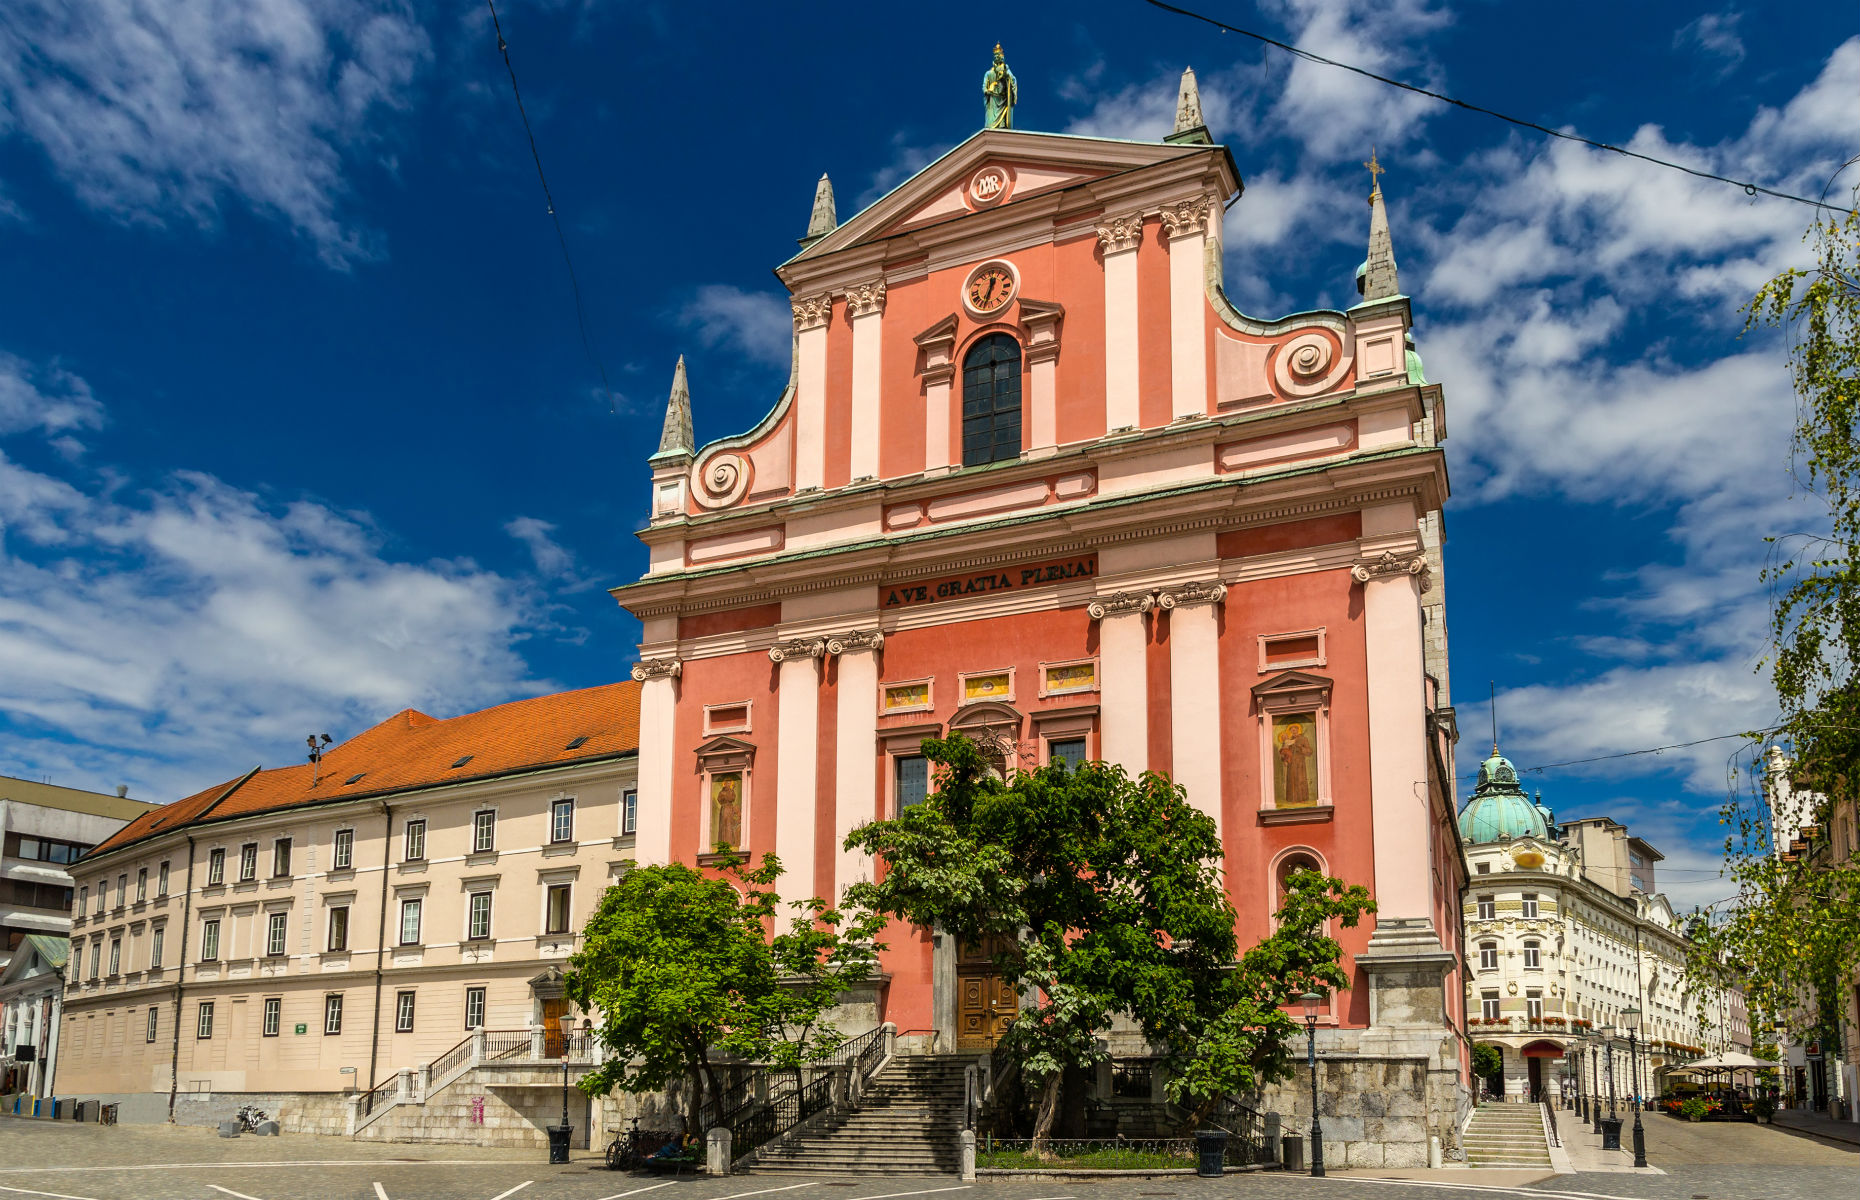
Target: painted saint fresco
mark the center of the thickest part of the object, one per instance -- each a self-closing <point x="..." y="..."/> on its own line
<point x="1294" y="761"/>
<point x="726" y="809"/>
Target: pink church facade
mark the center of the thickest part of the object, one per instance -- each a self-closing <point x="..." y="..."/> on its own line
<point x="1035" y="477"/>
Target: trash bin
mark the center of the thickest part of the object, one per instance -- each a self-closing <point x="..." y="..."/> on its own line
<point x="1210" y="1152"/>
<point x="1611" y="1133"/>
<point x="558" y="1142"/>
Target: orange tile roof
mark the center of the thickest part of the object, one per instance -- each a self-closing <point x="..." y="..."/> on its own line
<point x="412" y="750"/>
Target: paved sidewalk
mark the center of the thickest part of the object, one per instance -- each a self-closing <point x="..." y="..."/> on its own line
<point x="1820" y="1125"/>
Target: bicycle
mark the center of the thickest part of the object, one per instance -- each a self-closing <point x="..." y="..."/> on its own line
<point x="250" y="1117"/>
<point x="634" y="1148"/>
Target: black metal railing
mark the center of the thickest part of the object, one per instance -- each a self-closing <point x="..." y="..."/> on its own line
<point x="451" y="1060"/>
<point x="506" y="1043"/>
<point x="736" y="1091"/>
<point x="1132" y="1077"/>
<point x="1550" y="1119"/>
<point x="1103" y="1154"/>
<point x="764" y="1123"/>
<point x="380" y="1094"/>
<point x="1246" y="1132"/>
<point x="862" y="1053"/>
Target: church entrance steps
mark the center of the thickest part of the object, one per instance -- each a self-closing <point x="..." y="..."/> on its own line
<point x="496" y="1088"/>
<point x="907" y="1123"/>
<point x="1507" y="1135"/>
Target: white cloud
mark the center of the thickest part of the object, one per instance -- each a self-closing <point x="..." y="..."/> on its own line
<point x="157" y="111"/>
<point x="757" y="325"/>
<point x="47" y="400"/>
<point x="168" y="637"/>
<point x="1714" y="36"/>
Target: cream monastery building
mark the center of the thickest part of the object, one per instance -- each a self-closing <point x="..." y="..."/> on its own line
<point x="1565" y="932"/>
<point x="369" y="942"/>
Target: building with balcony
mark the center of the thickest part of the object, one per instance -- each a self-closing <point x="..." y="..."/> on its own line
<point x="1567" y="938"/>
<point x="353" y="942"/>
<point x="44" y="829"/>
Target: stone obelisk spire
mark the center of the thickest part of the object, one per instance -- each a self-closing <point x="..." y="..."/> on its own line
<point x="676" y="439"/>
<point x="1190" y="126"/>
<point x="823" y="219"/>
<point x="1378" y="280"/>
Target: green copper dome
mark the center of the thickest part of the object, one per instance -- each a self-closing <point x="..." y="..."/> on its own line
<point x="1499" y="808"/>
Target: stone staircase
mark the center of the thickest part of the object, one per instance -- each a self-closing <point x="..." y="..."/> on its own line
<point x="906" y="1124"/>
<point x="1507" y="1135"/>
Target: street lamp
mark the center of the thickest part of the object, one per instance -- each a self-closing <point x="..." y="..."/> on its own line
<point x="1310" y="1001"/>
<point x="1608" y="1040"/>
<point x="1595" y="1091"/>
<point x="1632" y="1012"/>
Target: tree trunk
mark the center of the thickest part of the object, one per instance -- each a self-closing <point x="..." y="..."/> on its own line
<point x="1049" y="1108"/>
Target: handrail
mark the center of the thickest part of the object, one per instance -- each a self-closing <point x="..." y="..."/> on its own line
<point x="452" y="1059"/>
<point x="381" y="1091"/>
<point x="1550" y="1123"/>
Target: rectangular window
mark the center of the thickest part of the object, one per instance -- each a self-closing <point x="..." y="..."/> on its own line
<point x="403" y="1012"/>
<point x="155" y="947"/>
<point x="30" y="847"/>
<point x="161" y="880"/>
<point x="1531" y="959"/>
<point x="274" y="1015"/>
<point x="83" y="899"/>
<point x="409" y="922"/>
<point x="1530" y="906"/>
<point x="480" y="923"/>
<point x="142" y="884"/>
<point x="415" y="847"/>
<point x="154" y="1019"/>
<point x="629" y="813"/>
<point x="1488" y="957"/>
<point x="1534" y="1006"/>
<point x="344" y="857"/>
<point x="1070" y="751"/>
<point x="483" y="832"/>
<point x="562" y="821"/>
<point x="558" y="908"/>
<point x="913" y="772"/>
<point x="1485" y="868"/>
<point x="96" y="958"/>
<point x="203" y="1024"/>
<point x="1487" y="909"/>
<point x="116" y="956"/>
<point x="1488" y="1006"/>
<point x="280" y="858"/>
<point x="248" y="861"/>
<point x="332" y="1013"/>
<point x="122" y="889"/>
<point x="216" y="867"/>
<point x="274" y="933"/>
<point x="103" y="895"/>
<point x="474" y="1008"/>
<point x="339" y="927"/>
<point x="209" y="940"/>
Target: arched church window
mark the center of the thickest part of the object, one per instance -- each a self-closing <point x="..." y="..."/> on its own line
<point x="1290" y="865"/>
<point x="991" y="401"/>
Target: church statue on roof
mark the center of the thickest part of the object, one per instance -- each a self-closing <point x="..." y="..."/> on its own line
<point x="999" y="94"/>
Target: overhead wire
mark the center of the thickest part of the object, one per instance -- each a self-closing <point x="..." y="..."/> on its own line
<point x="574" y="283"/>
<point x="1751" y="189"/>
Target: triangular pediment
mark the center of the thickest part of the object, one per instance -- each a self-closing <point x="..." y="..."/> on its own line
<point x="1287" y="683"/>
<point x="1026" y="165"/>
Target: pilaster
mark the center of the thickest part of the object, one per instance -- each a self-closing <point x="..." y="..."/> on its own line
<point x="855" y="779"/>
<point x="1186" y="223"/>
<point x="1123" y="642"/>
<point x="658" y="699"/>
<point x="1401" y="821"/>
<point x="812" y="315"/>
<point x="797" y="742"/>
<point x="1118" y="239"/>
<point x="938" y="344"/>
<point x="1195" y="690"/>
<point x="865" y="306"/>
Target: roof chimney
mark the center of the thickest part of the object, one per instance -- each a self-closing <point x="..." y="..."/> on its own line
<point x="122" y="790"/>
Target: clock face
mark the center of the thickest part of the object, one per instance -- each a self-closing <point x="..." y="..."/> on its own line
<point x="990" y="288"/>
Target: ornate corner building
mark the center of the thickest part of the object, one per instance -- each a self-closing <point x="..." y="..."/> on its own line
<point x="1034" y="477"/>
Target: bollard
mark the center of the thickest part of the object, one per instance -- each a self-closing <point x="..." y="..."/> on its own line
<point x="966" y="1162"/>
<point x="717" y="1151"/>
<point x="1433" y="1151"/>
<point x="1274" y="1131"/>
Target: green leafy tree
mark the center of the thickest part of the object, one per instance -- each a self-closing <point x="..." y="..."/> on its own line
<point x="681" y="968"/>
<point x="1790" y="932"/>
<point x="1100" y="895"/>
<point x="1487" y="1060"/>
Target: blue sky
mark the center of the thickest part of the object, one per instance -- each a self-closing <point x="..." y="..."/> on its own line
<point x="296" y="428"/>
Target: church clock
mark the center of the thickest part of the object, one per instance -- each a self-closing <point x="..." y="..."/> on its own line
<point x="989" y="289"/>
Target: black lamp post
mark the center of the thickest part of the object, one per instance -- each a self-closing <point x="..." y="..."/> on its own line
<point x="1640" y="1136"/>
<point x="1608" y="1040"/>
<point x="1595" y="1093"/>
<point x="1310" y="1002"/>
